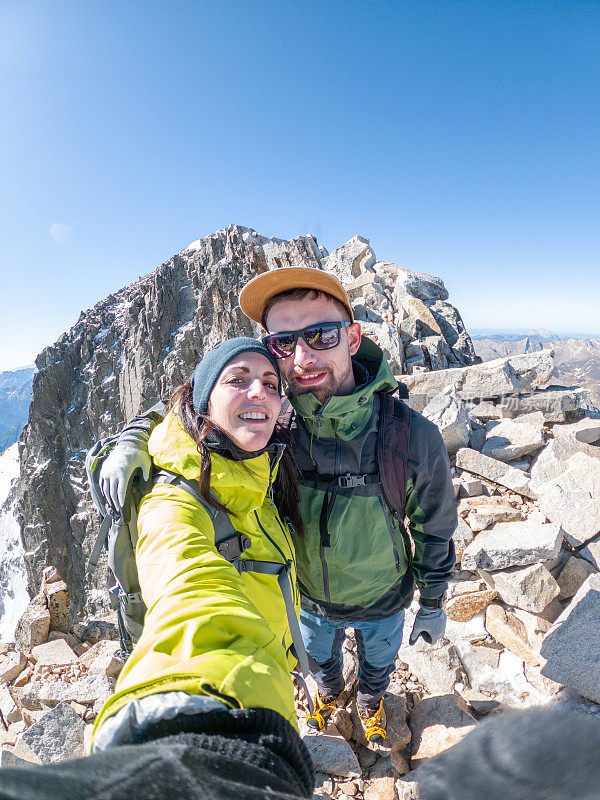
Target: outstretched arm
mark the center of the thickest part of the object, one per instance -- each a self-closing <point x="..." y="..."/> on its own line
<point x="204" y="641"/>
<point x="129" y="458"/>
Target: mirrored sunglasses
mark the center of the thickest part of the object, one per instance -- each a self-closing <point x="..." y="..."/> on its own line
<point x="322" y="336"/>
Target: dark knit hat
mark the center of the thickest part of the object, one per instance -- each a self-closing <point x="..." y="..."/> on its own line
<point x="214" y="362"/>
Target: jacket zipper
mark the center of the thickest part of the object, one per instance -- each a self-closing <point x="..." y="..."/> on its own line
<point x="280" y="551"/>
<point x="273" y="462"/>
<point x="292" y="553"/>
<point x="391" y="532"/>
<point x="274" y="543"/>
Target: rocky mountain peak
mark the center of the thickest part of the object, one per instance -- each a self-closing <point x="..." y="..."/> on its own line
<point x="137" y="345"/>
<point x="525" y="457"/>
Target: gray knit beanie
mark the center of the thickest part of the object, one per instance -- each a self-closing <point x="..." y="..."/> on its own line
<point x="214" y="362"/>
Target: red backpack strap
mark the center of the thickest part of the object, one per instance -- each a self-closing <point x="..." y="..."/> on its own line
<point x="393" y="441"/>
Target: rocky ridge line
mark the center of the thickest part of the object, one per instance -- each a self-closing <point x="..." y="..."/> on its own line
<point x="526" y="464"/>
<point x="137" y="345"/>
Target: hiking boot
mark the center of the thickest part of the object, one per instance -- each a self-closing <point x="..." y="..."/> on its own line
<point x="372" y="720"/>
<point x="324" y="705"/>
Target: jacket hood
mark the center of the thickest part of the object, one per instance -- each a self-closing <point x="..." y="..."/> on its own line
<point x="240" y="483"/>
<point x="346" y="415"/>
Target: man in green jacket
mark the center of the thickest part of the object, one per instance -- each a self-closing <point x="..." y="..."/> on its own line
<point x="354" y="568"/>
<point x="354" y="562"/>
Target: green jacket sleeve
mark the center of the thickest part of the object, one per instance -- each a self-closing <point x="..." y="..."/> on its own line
<point x="148" y="421"/>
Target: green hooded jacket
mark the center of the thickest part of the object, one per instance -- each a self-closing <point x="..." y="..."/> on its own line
<point x="357" y="568"/>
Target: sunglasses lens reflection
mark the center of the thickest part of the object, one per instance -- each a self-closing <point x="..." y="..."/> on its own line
<point x="318" y="337"/>
<point x="322" y="338"/>
<point x="282" y="346"/>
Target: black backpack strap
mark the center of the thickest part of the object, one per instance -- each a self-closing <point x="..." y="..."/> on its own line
<point x="348" y="481"/>
<point x="98" y="547"/>
<point x="393" y="442"/>
<point x="283" y="579"/>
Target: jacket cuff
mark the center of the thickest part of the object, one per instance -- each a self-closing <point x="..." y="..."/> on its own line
<point x="433" y="592"/>
<point x="134" y="720"/>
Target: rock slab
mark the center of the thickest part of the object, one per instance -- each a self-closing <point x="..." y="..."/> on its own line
<point x="530" y="588"/>
<point x="56" y="653"/>
<point x="572" y="645"/>
<point x="11" y="666"/>
<point x="437" y="723"/>
<point x="58" y="735"/>
<point x="464" y="607"/>
<point x="554" y="458"/>
<point x="509" y="439"/>
<point x="573" y="576"/>
<point x="448" y="412"/>
<point x="332" y="755"/>
<point x="493" y="470"/>
<point x="506" y="629"/>
<point x="571" y="499"/>
<point x="510" y="544"/>
<point x="497" y="378"/>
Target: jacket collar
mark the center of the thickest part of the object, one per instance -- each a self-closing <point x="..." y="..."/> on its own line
<point x="240" y="479"/>
<point x="346" y="415"/>
<point x="219" y="442"/>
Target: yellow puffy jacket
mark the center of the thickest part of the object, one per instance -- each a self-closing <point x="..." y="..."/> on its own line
<point x="209" y="630"/>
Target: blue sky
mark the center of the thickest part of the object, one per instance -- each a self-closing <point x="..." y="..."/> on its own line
<point x="461" y="138"/>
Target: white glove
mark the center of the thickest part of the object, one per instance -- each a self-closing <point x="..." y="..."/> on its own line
<point x="129" y="457"/>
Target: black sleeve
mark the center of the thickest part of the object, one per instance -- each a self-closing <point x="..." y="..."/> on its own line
<point x="146" y="422"/>
<point x="544" y="754"/>
<point x="431" y="508"/>
<point x="247" y="754"/>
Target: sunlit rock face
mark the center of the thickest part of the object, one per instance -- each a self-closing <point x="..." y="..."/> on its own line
<point x="136" y="346"/>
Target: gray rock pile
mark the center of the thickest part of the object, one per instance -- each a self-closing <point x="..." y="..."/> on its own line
<point x="524" y="602"/>
<point x="53" y="679"/>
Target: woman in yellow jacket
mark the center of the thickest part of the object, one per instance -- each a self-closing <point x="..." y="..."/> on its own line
<point x="213" y="638"/>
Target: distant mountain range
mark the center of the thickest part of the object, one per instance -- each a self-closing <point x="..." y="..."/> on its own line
<point x="516" y="334"/>
<point x="577" y="359"/>
<point x="15" y="396"/>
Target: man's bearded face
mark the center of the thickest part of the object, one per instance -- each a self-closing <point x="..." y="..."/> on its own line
<point x="323" y="372"/>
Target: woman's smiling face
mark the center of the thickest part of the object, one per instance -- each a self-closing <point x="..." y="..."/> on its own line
<point x="245" y="400"/>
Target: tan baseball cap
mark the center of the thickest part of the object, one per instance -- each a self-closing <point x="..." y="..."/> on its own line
<point x="256" y="294"/>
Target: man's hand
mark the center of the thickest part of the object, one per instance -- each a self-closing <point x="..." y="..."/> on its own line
<point x="129" y="456"/>
<point x="430" y="623"/>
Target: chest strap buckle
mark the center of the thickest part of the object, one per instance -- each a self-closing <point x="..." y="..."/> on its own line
<point x="351" y="481"/>
<point x="233" y="547"/>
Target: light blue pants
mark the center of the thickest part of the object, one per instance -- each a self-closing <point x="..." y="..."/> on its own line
<point x="377" y="644"/>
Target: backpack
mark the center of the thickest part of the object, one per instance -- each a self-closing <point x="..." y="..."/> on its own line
<point x="118" y="532"/>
